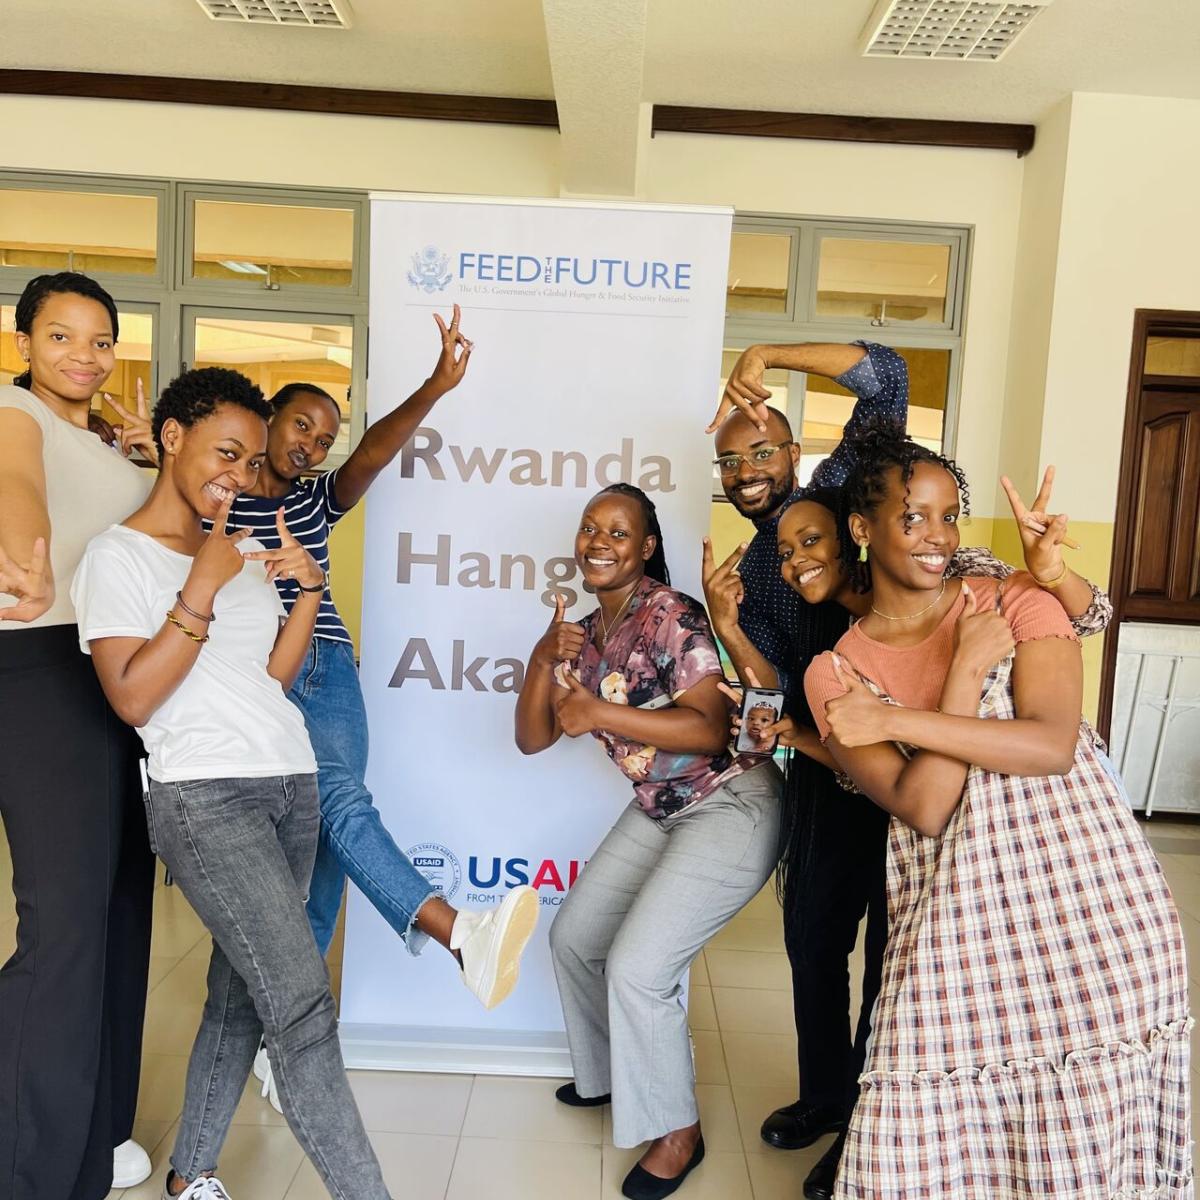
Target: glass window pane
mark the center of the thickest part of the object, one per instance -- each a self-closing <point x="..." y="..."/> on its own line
<point x="78" y="231"/>
<point x="867" y="279"/>
<point x="828" y="405"/>
<point x="263" y="245"/>
<point x="274" y="353"/>
<point x="135" y="357"/>
<point x="1173" y="356"/>
<point x="775" y="381"/>
<point x="758" y="273"/>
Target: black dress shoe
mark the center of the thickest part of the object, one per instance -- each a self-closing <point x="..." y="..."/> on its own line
<point x="820" y="1181"/>
<point x="800" y="1124"/>
<point x="568" y="1095"/>
<point x="641" y="1185"/>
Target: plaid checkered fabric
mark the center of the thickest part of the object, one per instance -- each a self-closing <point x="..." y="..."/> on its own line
<point x="1031" y="1033"/>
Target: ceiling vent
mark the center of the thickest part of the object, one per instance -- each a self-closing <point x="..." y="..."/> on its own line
<point x="313" y="14"/>
<point x="963" y="30"/>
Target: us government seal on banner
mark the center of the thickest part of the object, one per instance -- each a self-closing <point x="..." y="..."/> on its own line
<point x="439" y="864"/>
<point x="430" y="270"/>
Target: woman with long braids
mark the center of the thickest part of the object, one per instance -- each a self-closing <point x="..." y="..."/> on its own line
<point x="73" y="994"/>
<point x="641" y="675"/>
<point x="1030" y="1037"/>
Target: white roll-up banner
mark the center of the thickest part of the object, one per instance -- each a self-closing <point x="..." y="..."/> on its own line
<point x="597" y="331"/>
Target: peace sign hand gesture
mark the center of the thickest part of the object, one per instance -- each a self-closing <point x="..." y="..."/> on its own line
<point x="218" y="560"/>
<point x="859" y="718"/>
<point x="1043" y="535"/>
<point x="290" y="560"/>
<point x="135" y="433"/>
<point x="31" y="585"/>
<point x="456" y="353"/>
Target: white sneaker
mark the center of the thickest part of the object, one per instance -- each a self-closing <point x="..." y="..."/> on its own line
<point x="491" y="944"/>
<point x="262" y="1064"/>
<point x="131" y="1165"/>
<point x="207" y="1187"/>
<point x="262" y="1070"/>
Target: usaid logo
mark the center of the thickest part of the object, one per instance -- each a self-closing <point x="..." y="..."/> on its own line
<point x="430" y="270"/>
<point x="439" y="865"/>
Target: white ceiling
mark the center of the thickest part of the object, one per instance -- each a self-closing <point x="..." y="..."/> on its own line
<point x="603" y="59"/>
<point x="797" y="55"/>
<point x="803" y="56"/>
<point x="472" y="47"/>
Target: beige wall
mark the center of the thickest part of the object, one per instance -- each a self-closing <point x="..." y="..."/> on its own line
<point x="1129" y="240"/>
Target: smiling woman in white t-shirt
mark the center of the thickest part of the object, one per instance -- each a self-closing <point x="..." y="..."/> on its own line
<point x="185" y="632"/>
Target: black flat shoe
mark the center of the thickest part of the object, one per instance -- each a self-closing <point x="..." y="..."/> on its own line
<point x="641" y="1185"/>
<point x="820" y="1181"/>
<point x="800" y="1124"/>
<point x="568" y="1095"/>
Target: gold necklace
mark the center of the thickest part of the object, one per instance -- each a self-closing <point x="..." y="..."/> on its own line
<point x="605" y="630"/>
<point x="912" y="616"/>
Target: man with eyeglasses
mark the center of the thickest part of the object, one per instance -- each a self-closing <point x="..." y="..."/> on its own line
<point x="835" y="842"/>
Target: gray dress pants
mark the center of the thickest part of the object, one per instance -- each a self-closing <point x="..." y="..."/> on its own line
<point x="650" y="897"/>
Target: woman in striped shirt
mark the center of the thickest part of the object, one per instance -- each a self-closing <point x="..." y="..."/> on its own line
<point x="354" y="841"/>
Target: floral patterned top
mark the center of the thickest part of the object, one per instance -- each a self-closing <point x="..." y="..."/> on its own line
<point x="662" y="647"/>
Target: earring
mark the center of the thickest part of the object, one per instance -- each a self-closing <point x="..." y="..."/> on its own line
<point x="862" y="552"/>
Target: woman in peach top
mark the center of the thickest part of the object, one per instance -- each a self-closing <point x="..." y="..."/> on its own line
<point x="1030" y="1037"/>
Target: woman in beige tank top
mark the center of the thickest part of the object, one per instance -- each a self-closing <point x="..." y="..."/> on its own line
<point x="72" y="996"/>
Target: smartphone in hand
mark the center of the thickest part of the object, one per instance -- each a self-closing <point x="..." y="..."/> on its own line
<point x="761" y="708"/>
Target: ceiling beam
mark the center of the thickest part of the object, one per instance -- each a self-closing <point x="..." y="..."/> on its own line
<point x="597" y="50"/>
<point x="903" y="131"/>
<point x="232" y="93"/>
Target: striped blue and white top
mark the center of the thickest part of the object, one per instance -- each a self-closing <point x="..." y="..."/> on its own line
<point x="311" y="510"/>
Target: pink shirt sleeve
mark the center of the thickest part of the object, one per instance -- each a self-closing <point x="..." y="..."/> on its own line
<point x="1032" y="612"/>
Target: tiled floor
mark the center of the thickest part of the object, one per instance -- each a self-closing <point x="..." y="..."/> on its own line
<point x="450" y="1137"/>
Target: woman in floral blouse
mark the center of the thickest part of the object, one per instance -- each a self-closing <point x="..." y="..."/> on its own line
<point x="641" y="675"/>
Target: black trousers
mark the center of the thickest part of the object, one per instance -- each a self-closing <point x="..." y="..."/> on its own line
<point x="834" y="875"/>
<point x="73" y="995"/>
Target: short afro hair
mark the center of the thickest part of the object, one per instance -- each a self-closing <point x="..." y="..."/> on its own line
<point x="194" y="395"/>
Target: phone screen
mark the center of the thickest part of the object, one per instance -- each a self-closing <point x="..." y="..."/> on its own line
<point x="760" y="710"/>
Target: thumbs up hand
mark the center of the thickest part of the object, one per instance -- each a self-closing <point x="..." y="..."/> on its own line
<point x="575" y="706"/>
<point x="858" y="717"/>
<point x="563" y="640"/>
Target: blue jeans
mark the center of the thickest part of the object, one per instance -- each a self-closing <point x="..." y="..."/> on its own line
<point x="241" y="851"/>
<point x="353" y="839"/>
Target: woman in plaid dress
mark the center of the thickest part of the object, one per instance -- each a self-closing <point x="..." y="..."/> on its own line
<point x="1030" y="1037"/>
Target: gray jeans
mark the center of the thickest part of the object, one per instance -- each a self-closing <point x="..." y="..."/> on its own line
<point x="241" y="851"/>
<point x="649" y="898"/>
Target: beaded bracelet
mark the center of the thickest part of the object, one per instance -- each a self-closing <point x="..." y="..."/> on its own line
<point x="191" y="612"/>
<point x="199" y="639"/>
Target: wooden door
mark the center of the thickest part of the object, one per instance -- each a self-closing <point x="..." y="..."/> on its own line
<point x="1156" y="542"/>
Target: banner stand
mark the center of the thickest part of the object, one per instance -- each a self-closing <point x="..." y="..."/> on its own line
<point x="597" y="331"/>
<point x="456" y="1051"/>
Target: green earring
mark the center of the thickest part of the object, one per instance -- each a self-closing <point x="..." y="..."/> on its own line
<point x="862" y="552"/>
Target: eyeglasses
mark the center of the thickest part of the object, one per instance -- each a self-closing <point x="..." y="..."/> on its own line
<point x="728" y="464"/>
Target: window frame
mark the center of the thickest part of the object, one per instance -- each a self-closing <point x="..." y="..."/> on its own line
<point x="116" y="185"/>
<point x="173" y="294"/>
<point x="744" y="329"/>
<point x="319" y="295"/>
